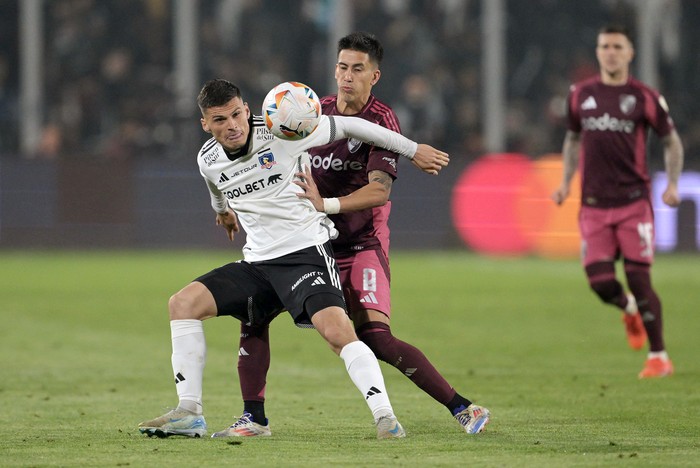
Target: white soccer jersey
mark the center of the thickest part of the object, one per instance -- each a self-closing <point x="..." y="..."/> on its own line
<point x="259" y="186"/>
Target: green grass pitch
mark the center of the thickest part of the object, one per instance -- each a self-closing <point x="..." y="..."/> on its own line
<point x="85" y="356"/>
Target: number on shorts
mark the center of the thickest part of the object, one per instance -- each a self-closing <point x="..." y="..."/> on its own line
<point x="369" y="279"/>
<point x="645" y="231"/>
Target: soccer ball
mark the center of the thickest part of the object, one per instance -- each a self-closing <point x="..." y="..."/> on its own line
<point x="291" y="110"/>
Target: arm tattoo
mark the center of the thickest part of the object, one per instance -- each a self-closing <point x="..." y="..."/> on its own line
<point x="382" y="178"/>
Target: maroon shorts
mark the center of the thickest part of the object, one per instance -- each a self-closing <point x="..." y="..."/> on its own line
<point x="607" y="233"/>
<point x="366" y="281"/>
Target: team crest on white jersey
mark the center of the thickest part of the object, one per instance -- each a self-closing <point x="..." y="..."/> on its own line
<point x="627" y="103"/>
<point x="267" y="160"/>
<point x="354" y="144"/>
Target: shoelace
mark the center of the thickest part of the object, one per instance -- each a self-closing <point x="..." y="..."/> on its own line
<point x="469" y="416"/>
<point x="464" y="419"/>
<point x="242" y="421"/>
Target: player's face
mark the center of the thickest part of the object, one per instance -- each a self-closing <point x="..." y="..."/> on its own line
<point x="614" y="52"/>
<point x="228" y="124"/>
<point x="355" y="76"/>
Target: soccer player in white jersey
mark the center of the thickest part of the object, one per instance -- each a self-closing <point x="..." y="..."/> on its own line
<point x="288" y="260"/>
<point x="352" y="181"/>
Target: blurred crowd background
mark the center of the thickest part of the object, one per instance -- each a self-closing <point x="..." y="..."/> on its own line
<point x="109" y="88"/>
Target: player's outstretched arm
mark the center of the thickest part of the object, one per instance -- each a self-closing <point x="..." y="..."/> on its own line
<point x="425" y="157"/>
<point x="429" y="159"/>
<point x="375" y="193"/>
<point x="229" y="221"/>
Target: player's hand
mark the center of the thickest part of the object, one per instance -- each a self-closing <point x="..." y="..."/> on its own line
<point x="671" y="197"/>
<point x="560" y="195"/>
<point x="229" y="221"/>
<point x="306" y="182"/>
<point x="429" y="159"/>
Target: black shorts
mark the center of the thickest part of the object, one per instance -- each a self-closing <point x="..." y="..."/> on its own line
<point x="256" y="292"/>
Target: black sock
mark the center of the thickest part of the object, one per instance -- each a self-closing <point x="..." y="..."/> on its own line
<point x="256" y="410"/>
<point x="457" y="404"/>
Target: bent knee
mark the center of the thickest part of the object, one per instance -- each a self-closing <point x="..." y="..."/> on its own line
<point x="191" y="303"/>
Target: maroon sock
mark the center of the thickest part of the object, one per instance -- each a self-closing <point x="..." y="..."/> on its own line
<point x="408" y="359"/>
<point x="253" y="362"/>
<point x="648" y="303"/>
<point x="601" y="279"/>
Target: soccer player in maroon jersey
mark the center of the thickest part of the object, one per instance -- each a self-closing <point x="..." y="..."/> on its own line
<point x="351" y="182"/>
<point x="608" y="120"/>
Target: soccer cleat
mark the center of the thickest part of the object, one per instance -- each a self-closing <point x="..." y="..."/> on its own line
<point x="244" y="427"/>
<point x="636" y="335"/>
<point x="473" y="418"/>
<point x="175" y="422"/>
<point x="656" y="367"/>
<point x="388" y="427"/>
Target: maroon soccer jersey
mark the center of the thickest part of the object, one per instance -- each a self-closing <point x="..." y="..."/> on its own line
<point x="341" y="167"/>
<point x="614" y="122"/>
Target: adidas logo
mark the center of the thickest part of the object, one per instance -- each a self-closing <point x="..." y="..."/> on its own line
<point x="223" y="178"/>
<point x="370" y="299"/>
<point x="371" y="392"/>
<point x="243" y="352"/>
<point x="589" y="103"/>
<point x="318" y="281"/>
<point x="179" y="378"/>
<point x="410" y="371"/>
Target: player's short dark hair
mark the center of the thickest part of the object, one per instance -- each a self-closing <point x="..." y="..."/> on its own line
<point x="362" y="41"/>
<point x="617" y="29"/>
<point x="216" y="93"/>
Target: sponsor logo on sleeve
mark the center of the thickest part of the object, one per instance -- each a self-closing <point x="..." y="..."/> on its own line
<point x="211" y="157"/>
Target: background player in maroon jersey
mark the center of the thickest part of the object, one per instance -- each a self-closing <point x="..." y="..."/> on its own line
<point x="608" y="121"/>
<point x="352" y="184"/>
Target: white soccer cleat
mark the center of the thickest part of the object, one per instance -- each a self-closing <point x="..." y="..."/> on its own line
<point x="244" y="427"/>
<point x="175" y="422"/>
<point x="473" y="418"/>
<point x="388" y="427"/>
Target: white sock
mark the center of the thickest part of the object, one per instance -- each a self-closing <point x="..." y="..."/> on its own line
<point x="189" y="356"/>
<point x="363" y="369"/>
<point x="631" y="305"/>
<point x="658" y="354"/>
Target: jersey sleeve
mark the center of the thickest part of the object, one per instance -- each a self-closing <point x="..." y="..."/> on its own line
<point x="375" y="135"/>
<point x="657" y="114"/>
<point x="218" y="201"/>
<point x="380" y="159"/>
<point x="573" y="118"/>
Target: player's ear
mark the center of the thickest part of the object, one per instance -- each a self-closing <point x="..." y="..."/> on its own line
<point x="205" y="127"/>
<point x="375" y="76"/>
<point x="247" y="110"/>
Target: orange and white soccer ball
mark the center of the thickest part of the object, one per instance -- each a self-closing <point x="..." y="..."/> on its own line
<point x="291" y="110"/>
